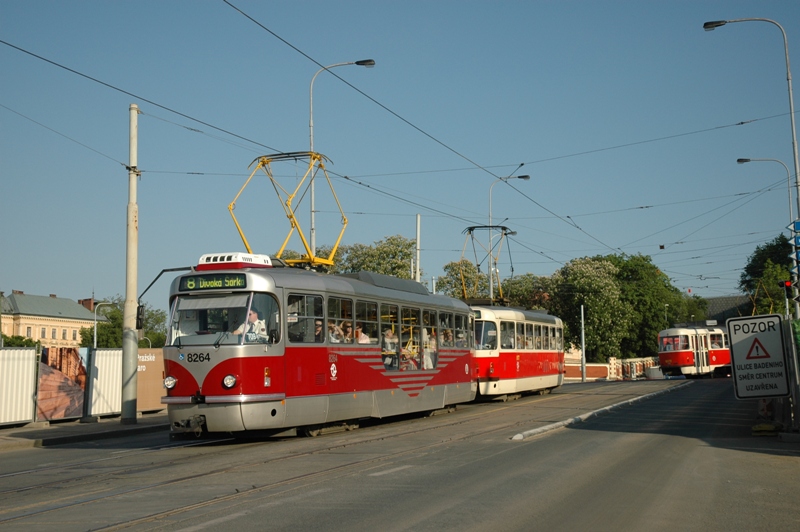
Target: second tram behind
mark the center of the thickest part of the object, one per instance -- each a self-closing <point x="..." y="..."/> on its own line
<point x="517" y="351"/>
<point x="252" y="345"/>
<point x="694" y="351"/>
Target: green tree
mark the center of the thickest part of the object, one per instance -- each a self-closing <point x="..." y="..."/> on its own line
<point x="389" y="256"/>
<point x="528" y="291"/>
<point x="20" y="341"/>
<point x="463" y="276"/>
<point x="685" y="308"/>
<point x="768" y="296"/>
<point x="645" y="291"/>
<point x="592" y="282"/>
<point x="777" y="251"/>
<point x="109" y="333"/>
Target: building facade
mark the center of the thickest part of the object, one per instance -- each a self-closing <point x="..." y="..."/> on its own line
<point x="53" y="321"/>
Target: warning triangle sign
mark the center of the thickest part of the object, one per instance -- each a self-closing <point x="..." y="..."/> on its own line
<point x="757" y="351"/>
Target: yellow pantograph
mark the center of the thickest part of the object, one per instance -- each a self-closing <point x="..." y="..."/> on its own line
<point x="316" y="164"/>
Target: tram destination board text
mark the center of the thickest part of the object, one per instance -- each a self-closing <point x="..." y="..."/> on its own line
<point x="213" y="281"/>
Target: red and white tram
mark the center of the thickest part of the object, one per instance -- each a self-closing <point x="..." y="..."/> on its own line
<point x="255" y="345"/>
<point x="517" y="350"/>
<point x="694" y="350"/>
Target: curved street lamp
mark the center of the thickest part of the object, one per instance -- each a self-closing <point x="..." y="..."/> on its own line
<point x="491" y="231"/>
<point x="711" y="25"/>
<point x="791" y="221"/>
<point x="369" y="63"/>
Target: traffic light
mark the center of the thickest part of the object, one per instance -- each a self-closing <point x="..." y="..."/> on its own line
<point x="787" y="288"/>
<point x="140" y="313"/>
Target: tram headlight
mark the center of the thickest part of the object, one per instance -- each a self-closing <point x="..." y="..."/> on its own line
<point x="170" y="382"/>
<point x="229" y="381"/>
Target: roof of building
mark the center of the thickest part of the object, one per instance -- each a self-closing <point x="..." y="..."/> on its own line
<point x="46" y="306"/>
<point x="724" y="307"/>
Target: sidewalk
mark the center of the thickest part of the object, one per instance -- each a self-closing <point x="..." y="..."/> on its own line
<point x="44" y="433"/>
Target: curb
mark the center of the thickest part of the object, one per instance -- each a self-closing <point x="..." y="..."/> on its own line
<point x="589" y="415"/>
<point x="11" y="443"/>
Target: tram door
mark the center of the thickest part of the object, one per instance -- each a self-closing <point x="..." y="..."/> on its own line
<point x="700" y="348"/>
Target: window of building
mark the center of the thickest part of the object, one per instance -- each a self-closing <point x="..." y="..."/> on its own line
<point x="43" y="333"/>
<point x="63" y="334"/>
<point x="29" y="332"/>
<point x="74" y="334"/>
<point x="53" y="334"/>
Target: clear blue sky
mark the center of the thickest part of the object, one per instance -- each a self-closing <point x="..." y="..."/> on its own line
<point x="628" y="116"/>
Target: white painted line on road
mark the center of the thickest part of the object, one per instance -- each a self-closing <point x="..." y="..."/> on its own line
<point x="390" y="471"/>
<point x="589" y="415"/>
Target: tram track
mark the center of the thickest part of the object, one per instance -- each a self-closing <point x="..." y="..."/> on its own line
<point x="91" y="494"/>
<point x="232" y="482"/>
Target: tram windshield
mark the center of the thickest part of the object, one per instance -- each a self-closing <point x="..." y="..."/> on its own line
<point x="485" y="335"/>
<point x="673" y="343"/>
<point x="229" y="319"/>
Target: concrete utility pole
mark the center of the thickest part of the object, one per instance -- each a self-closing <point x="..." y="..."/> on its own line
<point x="1" y="319"/>
<point x="130" y="343"/>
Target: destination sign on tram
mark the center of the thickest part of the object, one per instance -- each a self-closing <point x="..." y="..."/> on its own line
<point x="758" y="357"/>
<point x="213" y="281"/>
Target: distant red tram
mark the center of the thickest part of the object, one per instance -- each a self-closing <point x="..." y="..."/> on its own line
<point x="254" y="345"/>
<point x="694" y="351"/>
<point x="517" y="351"/>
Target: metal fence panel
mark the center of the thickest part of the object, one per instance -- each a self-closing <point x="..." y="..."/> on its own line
<point x="17" y="385"/>
<point x="105" y="384"/>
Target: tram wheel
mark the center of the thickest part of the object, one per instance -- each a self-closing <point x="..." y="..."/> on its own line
<point x="311" y="432"/>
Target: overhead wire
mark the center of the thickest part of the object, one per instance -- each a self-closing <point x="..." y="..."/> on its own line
<point x="569" y="220"/>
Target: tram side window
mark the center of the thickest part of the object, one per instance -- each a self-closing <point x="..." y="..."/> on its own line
<point x="507" y="335"/>
<point x="529" y="336"/>
<point x="340" y="320"/>
<point x="409" y="339"/>
<point x="520" y="336"/>
<point x="430" y="337"/>
<point x="303" y="313"/>
<point x="462" y="331"/>
<point x="366" y="326"/>
<point x="446" y="329"/>
<point x="537" y="336"/>
<point x="559" y="339"/>
<point x="390" y="318"/>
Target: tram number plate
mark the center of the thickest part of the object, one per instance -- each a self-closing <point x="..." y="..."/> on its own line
<point x="198" y="357"/>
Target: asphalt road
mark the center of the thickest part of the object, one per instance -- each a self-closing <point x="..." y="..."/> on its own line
<point x="683" y="457"/>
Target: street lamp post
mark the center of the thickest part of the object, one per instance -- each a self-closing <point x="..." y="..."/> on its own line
<point x="491" y="231"/>
<point x="791" y="221"/>
<point x="94" y="343"/>
<point x="369" y="63"/>
<point x="708" y="26"/>
<point x="666" y="306"/>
